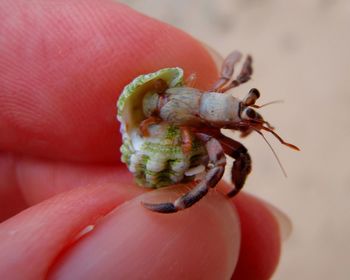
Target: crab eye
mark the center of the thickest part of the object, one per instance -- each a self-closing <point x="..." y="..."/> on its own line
<point x="249" y="113"/>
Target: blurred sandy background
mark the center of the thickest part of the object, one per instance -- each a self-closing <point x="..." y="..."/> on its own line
<point x="301" y="55"/>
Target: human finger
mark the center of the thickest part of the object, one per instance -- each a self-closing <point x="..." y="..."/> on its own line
<point x="25" y="180"/>
<point x="63" y="65"/>
<point x="129" y="241"/>
<point x="31" y="240"/>
<point x="210" y="229"/>
<point x="262" y="231"/>
<point x="191" y="250"/>
<point x="200" y="243"/>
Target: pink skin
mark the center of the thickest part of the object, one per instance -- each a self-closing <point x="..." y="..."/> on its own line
<point x="61" y="69"/>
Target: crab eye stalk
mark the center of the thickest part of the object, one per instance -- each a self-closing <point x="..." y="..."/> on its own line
<point x="251" y="97"/>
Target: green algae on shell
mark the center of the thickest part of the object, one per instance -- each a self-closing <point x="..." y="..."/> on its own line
<point x="129" y="105"/>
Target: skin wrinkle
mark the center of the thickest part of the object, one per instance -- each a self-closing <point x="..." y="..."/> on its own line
<point x="11" y="198"/>
<point x="33" y="176"/>
<point x="175" y="236"/>
<point x="172" y="238"/>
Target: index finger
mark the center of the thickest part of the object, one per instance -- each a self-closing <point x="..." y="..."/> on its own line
<point x="63" y="65"/>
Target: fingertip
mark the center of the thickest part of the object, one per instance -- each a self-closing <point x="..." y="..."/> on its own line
<point x="132" y="243"/>
<point x="261" y="239"/>
<point x="38" y="234"/>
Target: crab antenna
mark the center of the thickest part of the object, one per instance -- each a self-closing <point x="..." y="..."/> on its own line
<point x="280" y="139"/>
<point x="273" y="151"/>
<point x="266" y="104"/>
<point x="268" y="125"/>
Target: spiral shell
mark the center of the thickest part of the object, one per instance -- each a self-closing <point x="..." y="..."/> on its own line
<point x="158" y="159"/>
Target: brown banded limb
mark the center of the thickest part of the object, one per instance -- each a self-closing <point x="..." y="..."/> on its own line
<point x="186" y="138"/>
<point x="224" y="84"/>
<point x="242" y="164"/>
<point x="216" y="168"/>
<point x="227" y="70"/>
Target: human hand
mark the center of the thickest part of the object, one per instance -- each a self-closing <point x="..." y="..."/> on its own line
<point x="62" y="66"/>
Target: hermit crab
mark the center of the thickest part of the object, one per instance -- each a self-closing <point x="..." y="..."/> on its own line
<point x="172" y="132"/>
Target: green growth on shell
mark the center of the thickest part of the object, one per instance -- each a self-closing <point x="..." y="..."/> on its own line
<point x="129" y="105"/>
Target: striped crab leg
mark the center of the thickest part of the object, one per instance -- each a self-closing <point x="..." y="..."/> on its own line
<point x="224" y="84"/>
<point x="216" y="168"/>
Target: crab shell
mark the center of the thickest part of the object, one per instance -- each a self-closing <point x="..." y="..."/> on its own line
<point x="158" y="159"/>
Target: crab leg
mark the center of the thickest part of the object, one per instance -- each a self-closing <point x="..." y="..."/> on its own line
<point x="191" y="80"/>
<point x="216" y="168"/>
<point x="242" y="164"/>
<point x="227" y="70"/>
<point x="146" y="123"/>
<point x="186" y="139"/>
<point x="244" y="75"/>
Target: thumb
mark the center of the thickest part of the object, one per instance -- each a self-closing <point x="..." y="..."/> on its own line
<point x="128" y="242"/>
<point x="134" y="243"/>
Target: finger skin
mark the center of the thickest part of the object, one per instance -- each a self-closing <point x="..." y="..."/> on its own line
<point x="25" y="181"/>
<point x="39" y="179"/>
<point x="130" y="241"/>
<point x="198" y="241"/>
<point x="37" y="235"/>
<point x="11" y="199"/>
<point x="261" y="241"/>
<point x="63" y="65"/>
<point x="135" y="243"/>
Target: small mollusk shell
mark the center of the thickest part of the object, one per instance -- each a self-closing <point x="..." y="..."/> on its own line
<point x="129" y="105"/>
<point x="158" y="159"/>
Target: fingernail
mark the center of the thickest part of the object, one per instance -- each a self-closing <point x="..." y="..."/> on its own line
<point x="284" y="222"/>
